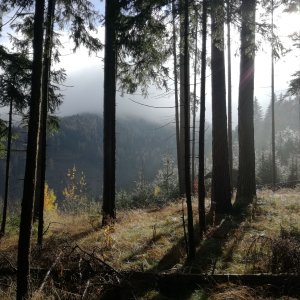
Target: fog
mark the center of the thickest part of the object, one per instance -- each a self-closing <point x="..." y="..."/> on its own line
<point x="85" y="75"/>
<point x="86" y="95"/>
<point x="83" y="89"/>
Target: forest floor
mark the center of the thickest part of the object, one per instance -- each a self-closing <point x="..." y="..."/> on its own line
<point x="152" y="240"/>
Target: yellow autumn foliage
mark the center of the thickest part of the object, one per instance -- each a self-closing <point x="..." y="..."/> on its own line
<point x="157" y="191"/>
<point x="76" y="186"/>
<point x="49" y="199"/>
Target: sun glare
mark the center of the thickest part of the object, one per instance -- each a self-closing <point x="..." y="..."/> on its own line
<point x="288" y="23"/>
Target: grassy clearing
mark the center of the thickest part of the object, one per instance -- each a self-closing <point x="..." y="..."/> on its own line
<point x="271" y="213"/>
<point x="153" y="240"/>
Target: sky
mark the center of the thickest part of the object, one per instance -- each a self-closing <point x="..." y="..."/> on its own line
<point x="83" y="89"/>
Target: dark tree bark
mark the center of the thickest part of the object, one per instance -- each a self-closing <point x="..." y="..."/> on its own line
<point x="229" y="93"/>
<point x="109" y="142"/>
<point x="186" y="86"/>
<point x="31" y="155"/>
<point x="180" y="177"/>
<point x="8" y="152"/>
<point x="201" y="185"/>
<point x="44" y="116"/>
<point x="182" y="99"/>
<point x="194" y="103"/>
<point x="246" y="188"/>
<point x="274" y="175"/>
<point x="221" y="192"/>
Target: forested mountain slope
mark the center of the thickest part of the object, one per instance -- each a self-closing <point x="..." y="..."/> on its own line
<point x="141" y="146"/>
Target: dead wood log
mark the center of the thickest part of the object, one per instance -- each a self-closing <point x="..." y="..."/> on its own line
<point x="180" y="280"/>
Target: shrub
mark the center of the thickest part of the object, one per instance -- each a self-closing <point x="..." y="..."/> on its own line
<point x="280" y="254"/>
<point x="286" y="252"/>
<point x="76" y="199"/>
<point x="49" y="199"/>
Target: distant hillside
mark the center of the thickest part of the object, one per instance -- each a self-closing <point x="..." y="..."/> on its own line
<point x="141" y="146"/>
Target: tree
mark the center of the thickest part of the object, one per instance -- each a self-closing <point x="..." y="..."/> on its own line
<point x="293" y="174"/>
<point x="186" y="86"/>
<point x="109" y="112"/>
<point x="201" y="183"/>
<point x="43" y="118"/>
<point x="229" y="100"/>
<point x="273" y="99"/>
<point x="264" y="170"/>
<point x="30" y="167"/>
<point x="257" y="112"/>
<point x="14" y="82"/>
<point x="134" y="54"/>
<point x="221" y="191"/>
<point x="246" y="188"/>
<point x="182" y="75"/>
<point x="194" y="108"/>
<point x="80" y="15"/>
<point x="180" y="177"/>
<point x="8" y="152"/>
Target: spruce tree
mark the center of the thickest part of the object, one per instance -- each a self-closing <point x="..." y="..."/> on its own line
<point x="23" y="275"/>
<point x="246" y="188"/>
<point x="221" y="191"/>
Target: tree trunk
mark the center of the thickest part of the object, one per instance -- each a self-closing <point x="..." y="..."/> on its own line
<point x="246" y="188"/>
<point x="180" y="177"/>
<point x="182" y="113"/>
<point x="201" y="171"/>
<point x="191" y="241"/>
<point x="44" y="116"/>
<point x="8" y="152"/>
<point x="274" y="175"/>
<point x="194" y="104"/>
<point x="31" y="155"/>
<point x="229" y="100"/>
<point x="109" y="142"/>
<point x="221" y="193"/>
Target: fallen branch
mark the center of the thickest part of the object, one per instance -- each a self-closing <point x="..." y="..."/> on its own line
<point x="85" y="290"/>
<point x="100" y="261"/>
<point x="194" y="280"/>
<point x="49" y="271"/>
<point x="152" y="278"/>
<point x="9" y="262"/>
<point x="48" y="227"/>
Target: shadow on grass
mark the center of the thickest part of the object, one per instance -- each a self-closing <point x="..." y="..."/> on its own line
<point x="209" y="252"/>
<point x="147" y="246"/>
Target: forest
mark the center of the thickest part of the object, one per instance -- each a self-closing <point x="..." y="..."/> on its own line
<point x="112" y="206"/>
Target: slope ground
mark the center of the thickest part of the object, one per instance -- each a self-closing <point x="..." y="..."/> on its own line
<point x="152" y="240"/>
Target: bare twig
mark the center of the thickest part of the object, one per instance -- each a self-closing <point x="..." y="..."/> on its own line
<point x="50" y="270"/>
<point x="8" y="261"/>
<point x="85" y="290"/>
<point x="68" y="294"/>
<point x="48" y="227"/>
<point x="79" y="267"/>
<point x="101" y="261"/>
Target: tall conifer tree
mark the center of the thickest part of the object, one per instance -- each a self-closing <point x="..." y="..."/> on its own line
<point x="246" y="188"/>
<point x="221" y="191"/>
<point x="109" y="112"/>
<point x="31" y="155"/>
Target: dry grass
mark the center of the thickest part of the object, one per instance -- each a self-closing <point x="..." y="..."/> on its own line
<point x="137" y="240"/>
<point x="270" y="213"/>
<point x="141" y="239"/>
<point x="234" y="292"/>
